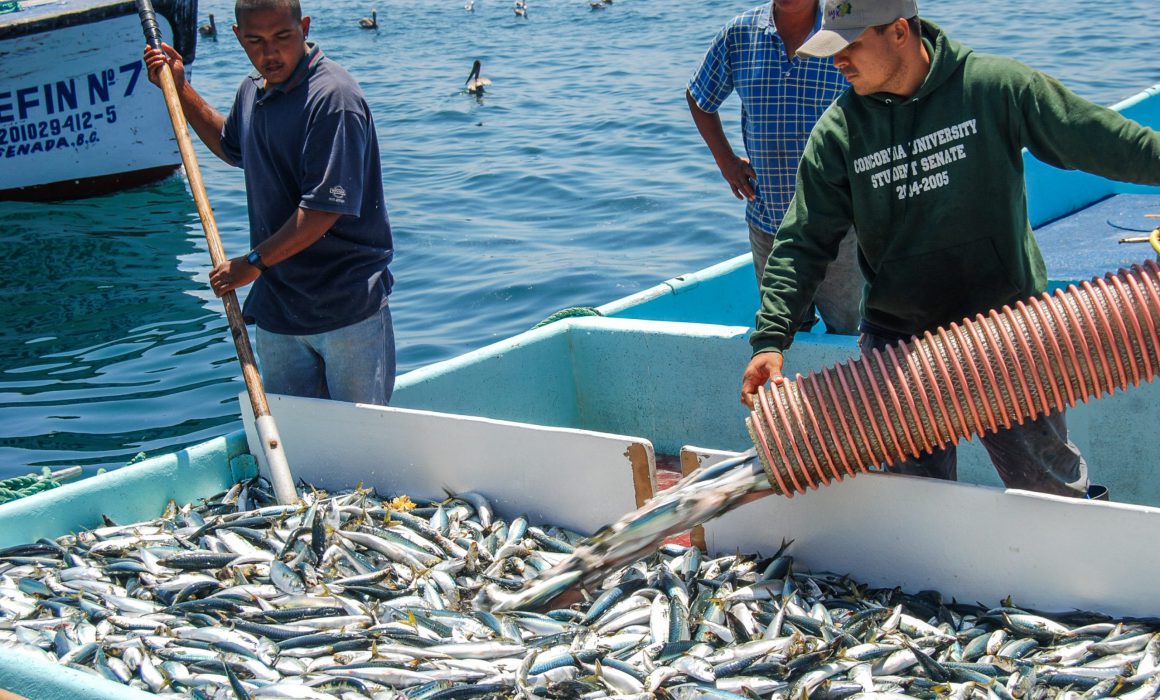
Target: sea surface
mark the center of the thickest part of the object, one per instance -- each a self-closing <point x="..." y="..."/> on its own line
<point x="578" y="178"/>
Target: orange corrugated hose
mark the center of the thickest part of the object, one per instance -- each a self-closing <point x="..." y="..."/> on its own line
<point x="973" y="378"/>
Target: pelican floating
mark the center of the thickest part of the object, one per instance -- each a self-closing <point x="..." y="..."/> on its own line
<point x="371" y="22"/>
<point x="475" y="83"/>
<point x="470" y="6"/>
<point x="208" y="29"/>
<point x="521" y="8"/>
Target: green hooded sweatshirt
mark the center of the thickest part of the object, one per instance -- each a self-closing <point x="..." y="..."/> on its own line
<point x="934" y="186"/>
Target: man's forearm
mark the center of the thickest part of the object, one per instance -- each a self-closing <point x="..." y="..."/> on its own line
<point x="301" y="230"/>
<point x="709" y="126"/>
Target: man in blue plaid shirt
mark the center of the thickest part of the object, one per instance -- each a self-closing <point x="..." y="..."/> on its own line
<point x="782" y="95"/>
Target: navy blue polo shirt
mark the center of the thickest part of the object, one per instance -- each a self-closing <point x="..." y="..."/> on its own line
<point x="310" y="142"/>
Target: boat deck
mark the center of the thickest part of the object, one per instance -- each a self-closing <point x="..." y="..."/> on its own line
<point x="1089" y="239"/>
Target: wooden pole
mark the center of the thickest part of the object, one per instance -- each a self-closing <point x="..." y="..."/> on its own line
<point x="267" y="431"/>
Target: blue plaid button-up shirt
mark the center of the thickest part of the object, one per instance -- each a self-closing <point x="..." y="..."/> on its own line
<point x="780" y="101"/>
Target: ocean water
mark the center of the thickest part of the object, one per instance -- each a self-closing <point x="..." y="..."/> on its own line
<point x="576" y="179"/>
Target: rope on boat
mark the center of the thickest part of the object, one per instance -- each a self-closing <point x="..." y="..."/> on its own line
<point x="570" y="312"/>
<point x="17" y="487"/>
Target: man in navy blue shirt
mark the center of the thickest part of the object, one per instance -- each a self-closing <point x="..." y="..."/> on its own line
<point x="320" y="238"/>
<point x="782" y="96"/>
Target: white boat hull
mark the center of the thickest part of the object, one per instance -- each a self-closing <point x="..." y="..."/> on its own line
<point x="78" y="116"/>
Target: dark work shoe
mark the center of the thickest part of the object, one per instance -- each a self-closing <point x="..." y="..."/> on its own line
<point x="1097" y="492"/>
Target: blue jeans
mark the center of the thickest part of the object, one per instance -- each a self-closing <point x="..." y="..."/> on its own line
<point x="1035" y="456"/>
<point x="354" y="363"/>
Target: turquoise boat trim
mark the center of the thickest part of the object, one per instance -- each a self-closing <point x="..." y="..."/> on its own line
<point x="607" y="375"/>
<point x="733" y="302"/>
<point x="130" y="494"/>
<point x="39" y="679"/>
<point x="722" y="294"/>
<point x="1053" y="193"/>
<point x="512" y="364"/>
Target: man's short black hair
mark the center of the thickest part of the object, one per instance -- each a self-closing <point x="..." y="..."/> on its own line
<point x="244" y="6"/>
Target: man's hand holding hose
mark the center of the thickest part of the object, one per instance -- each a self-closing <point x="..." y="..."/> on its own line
<point x="763" y="367"/>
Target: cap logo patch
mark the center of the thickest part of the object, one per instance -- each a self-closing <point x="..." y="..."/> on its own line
<point x="840" y="11"/>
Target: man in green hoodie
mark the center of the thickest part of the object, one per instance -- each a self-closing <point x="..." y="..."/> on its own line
<point x="923" y="156"/>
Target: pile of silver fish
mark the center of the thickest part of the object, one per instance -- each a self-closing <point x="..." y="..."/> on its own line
<point x="350" y="595"/>
<point x="705" y="493"/>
